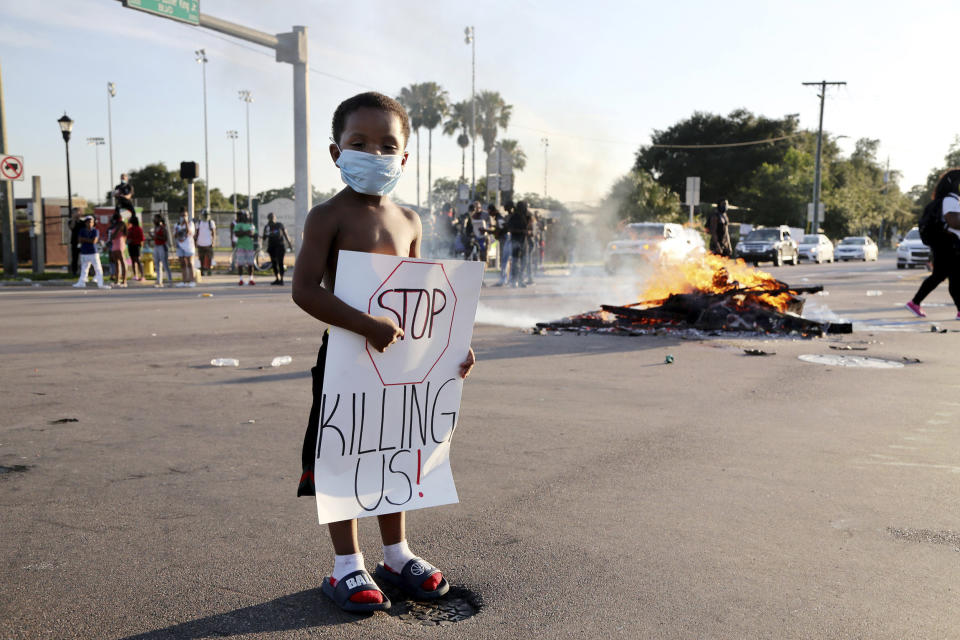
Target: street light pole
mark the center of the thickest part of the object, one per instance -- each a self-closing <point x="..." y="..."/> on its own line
<point x="471" y="39"/>
<point x="546" y="145"/>
<point x="816" y="172"/>
<point x="111" y="93"/>
<point x="66" y="126"/>
<point x="201" y="57"/>
<point x="247" y="97"/>
<point x="97" y="143"/>
<point x="232" y="134"/>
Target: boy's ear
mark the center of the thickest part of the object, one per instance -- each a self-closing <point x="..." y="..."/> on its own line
<point x="334" y="152"/>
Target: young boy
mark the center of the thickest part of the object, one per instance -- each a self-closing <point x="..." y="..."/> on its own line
<point x="370" y="133"/>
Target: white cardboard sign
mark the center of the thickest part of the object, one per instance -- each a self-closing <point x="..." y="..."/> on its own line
<point x="387" y="419"/>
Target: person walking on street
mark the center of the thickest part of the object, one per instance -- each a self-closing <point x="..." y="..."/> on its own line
<point x="134" y="245"/>
<point x="117" y="239"/>
<point x="206" y="239"/>
<point x="518" y="224"/>
<point x="161" y="243"/>
<point x="246" y="250"/>
<point x="275" y="234"/>
<point x="123" y="195"/>
<point x="718" y="226"/>
<point x="942" y="235"/>
<point x="88" y="237"/>
<point x="183" y="233"/>
<point x="75" y="224"/>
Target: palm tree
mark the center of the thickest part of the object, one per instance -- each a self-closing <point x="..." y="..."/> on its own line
<point x="492" y="114"/>
<point x="411" y="100"/>
<point x="434" y="105"/>
<point x="516" y="152"/>
<point x="459" y="120"/>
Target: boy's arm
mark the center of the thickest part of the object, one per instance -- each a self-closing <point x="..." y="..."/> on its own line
<point x="310" y="295"/>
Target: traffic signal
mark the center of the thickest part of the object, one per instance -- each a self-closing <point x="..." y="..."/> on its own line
<point x="188" y="171"/>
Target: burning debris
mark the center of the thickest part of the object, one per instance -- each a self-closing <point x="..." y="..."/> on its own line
<point x="709" y="293"/>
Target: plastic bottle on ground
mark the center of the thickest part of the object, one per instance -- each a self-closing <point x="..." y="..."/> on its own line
<point x="279" y="361"/>
<point x="225" y="362"/>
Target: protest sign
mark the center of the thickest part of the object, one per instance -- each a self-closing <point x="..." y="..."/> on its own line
<point x="387" y="419"/>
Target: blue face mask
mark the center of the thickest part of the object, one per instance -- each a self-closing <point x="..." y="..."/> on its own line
<point x="370" y="173"/>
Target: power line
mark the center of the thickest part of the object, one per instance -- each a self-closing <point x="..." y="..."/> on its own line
<point x="727" y="144"/>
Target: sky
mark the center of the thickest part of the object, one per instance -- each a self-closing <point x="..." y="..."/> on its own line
<point x="595" y="79"/>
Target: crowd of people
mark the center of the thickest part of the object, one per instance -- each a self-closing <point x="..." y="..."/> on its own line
<point x="518" y="233"/>
<point x="193" y="241"/>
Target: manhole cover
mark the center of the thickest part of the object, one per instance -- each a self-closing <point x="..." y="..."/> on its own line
<point x="16" y="468"/>
<point x="851" y="361"/>
<point x="459" y="604"/>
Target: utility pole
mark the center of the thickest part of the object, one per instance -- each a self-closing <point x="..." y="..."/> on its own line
<point x="6" y="186"/>
<point x="247" y="97"/>
<point x="546" y="145"/>
<point x="97" y="143"/>
<point x="816" y="176"/>
<point x="202" y="59"/>
<point x="111" y="93"/>
<point x="471" y="39"/>
<point x="232" y="134"/>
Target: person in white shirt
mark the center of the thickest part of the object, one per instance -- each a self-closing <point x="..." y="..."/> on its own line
<point x="183" y="233"/>
<point x="206" y="239"/>
<point x="946" y="251"/>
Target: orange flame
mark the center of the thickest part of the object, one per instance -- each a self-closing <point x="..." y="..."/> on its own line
<point x="712" y="274"/>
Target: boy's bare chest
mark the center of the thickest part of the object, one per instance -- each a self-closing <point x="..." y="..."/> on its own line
<point x="394" y="236"/>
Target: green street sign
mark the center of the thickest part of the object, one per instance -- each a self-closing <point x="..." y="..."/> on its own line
<point x="181" y="10"/>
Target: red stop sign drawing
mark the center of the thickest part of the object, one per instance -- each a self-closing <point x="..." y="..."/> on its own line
<point x="418" y="296"/>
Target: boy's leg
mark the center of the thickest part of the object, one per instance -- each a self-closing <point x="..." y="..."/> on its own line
<point x="396" y="551"/>
<point x="349" y="559"/>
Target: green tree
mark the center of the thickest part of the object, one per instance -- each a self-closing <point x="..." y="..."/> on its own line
<point x="637" y="197"/>
<point x="157" y="182"/>
<point x="951" y="160"/>
<point x="493" y="114"/>
<point x="537" y="201"/>
<point x="445" y="191"/>
<point x="459" y="120"/>
<point x="724" y="171"/>
<point x="412" y="100"/>
<point x="434" y="107"/>
<point x="516" y="152"/>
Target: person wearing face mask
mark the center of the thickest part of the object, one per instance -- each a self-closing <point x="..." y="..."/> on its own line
<point x="370" y="134"/>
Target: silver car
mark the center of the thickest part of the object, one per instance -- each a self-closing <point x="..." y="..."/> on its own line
<point x="816" y="247"/>
<point x="857" y="248"/>
<point x="911" y="252"/>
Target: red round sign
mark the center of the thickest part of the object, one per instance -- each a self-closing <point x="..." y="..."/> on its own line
<point x="11" y="167"/>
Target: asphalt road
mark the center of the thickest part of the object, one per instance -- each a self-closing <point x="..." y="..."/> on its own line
<point x="603" y="493"/>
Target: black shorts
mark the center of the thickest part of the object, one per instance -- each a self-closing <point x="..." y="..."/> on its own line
<point x="133" y="250"/>
<point x="309" y="454"/>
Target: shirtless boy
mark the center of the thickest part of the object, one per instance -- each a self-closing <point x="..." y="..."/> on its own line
<point x="370" y="133"/>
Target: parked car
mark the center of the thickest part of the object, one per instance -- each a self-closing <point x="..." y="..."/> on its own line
<point x="650" y="242"/>
<point x="857" y="248"/>
<point x="911" y="252"/>
<point x="769" y="244"/>
<point x="816" y="247"/>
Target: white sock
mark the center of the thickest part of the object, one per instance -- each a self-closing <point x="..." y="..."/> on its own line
<point x="346" y="564"/>
<point x="396" y="556"/>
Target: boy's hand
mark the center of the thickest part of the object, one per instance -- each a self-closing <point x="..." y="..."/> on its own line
<point x="467" y="365"/>
<point x="382" y="333"/>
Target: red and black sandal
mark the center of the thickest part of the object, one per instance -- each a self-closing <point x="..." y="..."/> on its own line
<point x="411" y="579"/>
<point x="340" y="592"/>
